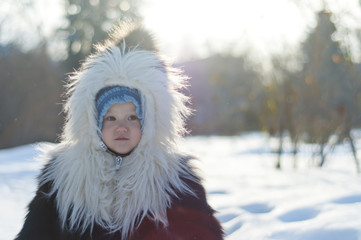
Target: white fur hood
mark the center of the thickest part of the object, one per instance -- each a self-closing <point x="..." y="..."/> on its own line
<point x="89" y="189"/>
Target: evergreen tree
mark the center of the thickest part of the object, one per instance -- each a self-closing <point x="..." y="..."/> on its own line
<point x="89" y="21"/>
<point x="327" y="87"/>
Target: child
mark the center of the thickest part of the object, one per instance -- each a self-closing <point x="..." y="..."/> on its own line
<point x="117" y="172"/>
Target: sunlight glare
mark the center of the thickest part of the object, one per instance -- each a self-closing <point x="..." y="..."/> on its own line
<point x="206" y="26"/>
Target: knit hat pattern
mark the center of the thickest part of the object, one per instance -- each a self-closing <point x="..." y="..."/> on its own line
<point x="110" y="95"/>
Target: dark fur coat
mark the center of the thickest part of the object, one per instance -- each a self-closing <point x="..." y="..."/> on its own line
<point x="189" y="218"/>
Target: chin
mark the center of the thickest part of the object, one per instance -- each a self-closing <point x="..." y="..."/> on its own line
<point x="121" y="151"/>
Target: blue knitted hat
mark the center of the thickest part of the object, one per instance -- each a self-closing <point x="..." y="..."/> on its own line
<point x="110" y="95"/>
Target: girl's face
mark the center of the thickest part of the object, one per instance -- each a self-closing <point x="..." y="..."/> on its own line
<point x="121" y="128"/>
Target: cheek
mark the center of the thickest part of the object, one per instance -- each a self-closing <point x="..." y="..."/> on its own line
<point x="105" y="132"/>
<point x="137" y="135"/>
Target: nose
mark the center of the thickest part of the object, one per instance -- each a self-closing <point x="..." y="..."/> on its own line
<point x="121" y="127"/>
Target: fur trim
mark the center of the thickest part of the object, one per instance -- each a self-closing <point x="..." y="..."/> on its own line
<point x="88" y="187"/>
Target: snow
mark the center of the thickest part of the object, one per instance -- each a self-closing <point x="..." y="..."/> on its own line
<point x="253" y="200"/>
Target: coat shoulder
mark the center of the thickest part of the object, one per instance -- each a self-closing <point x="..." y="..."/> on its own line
<point x="196" y="197"/>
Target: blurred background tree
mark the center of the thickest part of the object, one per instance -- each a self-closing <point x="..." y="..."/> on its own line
<point x="88" y="22"/>
<point x="30" y="85"/>
<point x="279" y="114"/>
<point x="328" y="92"/>
<point x="226" y="94"/>
<point x="319" y="102"/>
<point x="29" y="93"/>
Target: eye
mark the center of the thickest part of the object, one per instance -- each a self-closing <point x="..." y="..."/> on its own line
<point x="133" y="117"/>
<point x="109" y="118"/>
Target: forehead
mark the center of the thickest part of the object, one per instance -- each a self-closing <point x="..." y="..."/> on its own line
<point x="122" y="107"/>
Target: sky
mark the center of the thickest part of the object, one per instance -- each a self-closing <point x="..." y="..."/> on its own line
<point x="258" y="27"/>
<point x="189" y="29"/>
<point x="44" y="13"/>
<point x="206" y="26"/>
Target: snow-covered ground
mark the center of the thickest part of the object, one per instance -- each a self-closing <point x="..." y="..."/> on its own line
<point x="253" y="200"/>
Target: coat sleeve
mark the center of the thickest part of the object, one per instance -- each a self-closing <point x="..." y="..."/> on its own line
<point x="183" y="224"/>
<point x="189" y="218"/>
<point x="187" y="224"/>
<point x="41" y="221"/>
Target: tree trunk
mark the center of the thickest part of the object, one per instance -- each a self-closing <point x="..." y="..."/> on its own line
<point x="279" y="152"/>
<point x="322" y="155"/>
<point x="354" y="152"/>
<point x="294" y="152"/>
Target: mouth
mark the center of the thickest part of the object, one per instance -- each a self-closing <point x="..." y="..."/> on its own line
<point x="122" y="138"/>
